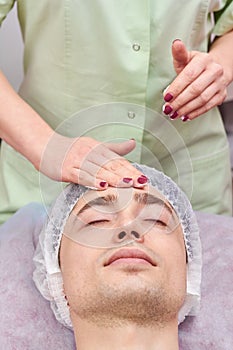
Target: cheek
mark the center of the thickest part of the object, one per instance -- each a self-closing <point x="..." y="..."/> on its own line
<point x="77" y="265"/>
<point x="176" y="267"/>
<point x="173" y="257"/>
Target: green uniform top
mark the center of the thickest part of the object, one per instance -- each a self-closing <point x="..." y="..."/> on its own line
<point x="99" y="68"/>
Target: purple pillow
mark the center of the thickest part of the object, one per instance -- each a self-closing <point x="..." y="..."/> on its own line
<point x="27" y="322"/>
<point x="212" y="328"/>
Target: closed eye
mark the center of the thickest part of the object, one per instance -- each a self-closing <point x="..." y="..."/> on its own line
<point x="97" y="222"/>
<point x="157" y="222"/>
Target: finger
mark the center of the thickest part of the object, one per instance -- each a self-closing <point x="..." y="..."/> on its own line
<point x="197" y="92"/>
<point x="100" y="162"/>
<point x="108" y="166"/>
<point x="86" y="179"/>
<point x="122" y="167"/>
<point x="111" y="161"/>
<point x="201" y="100"/>
<point x="189" y="74"/>
<point x="180" y="55"/>
<point x="216" y="100"/>
<point x="99" y="178"/>
<point x="122" y="148"/>
<point x="105" y="158"/>
<point x="116" y="178"/>
<point x="104" y="178"/>
<point x="127" y="174"/>
<point x="98" y="152"/>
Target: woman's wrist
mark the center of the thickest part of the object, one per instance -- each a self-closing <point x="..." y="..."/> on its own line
<point x="221" y="51"/>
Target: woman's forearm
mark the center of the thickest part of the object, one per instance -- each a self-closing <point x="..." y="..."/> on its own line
<point x="20" y="126"/>
<point x="222" y="52"/>
<point x="80" y="160"/>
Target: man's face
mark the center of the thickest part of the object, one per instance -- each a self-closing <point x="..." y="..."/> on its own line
<point x="123" y="257"/>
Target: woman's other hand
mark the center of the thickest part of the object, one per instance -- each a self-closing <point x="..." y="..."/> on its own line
<point x="199" y="86"/>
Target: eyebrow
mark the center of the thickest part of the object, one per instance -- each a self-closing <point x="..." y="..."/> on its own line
<point x="141" y="198"/>
<point x="149" y="199"/>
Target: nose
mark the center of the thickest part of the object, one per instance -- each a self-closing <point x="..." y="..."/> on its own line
<point x="128" y="235"/>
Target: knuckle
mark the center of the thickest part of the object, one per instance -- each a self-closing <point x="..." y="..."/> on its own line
<point x="206" y="57"/>
<point x="113" y="164"/>
<point x="221" y="98"/>
<point x="203" y="59"/>
<point x="112" y="180"/>
<point x="80" y="175"/>
<point x="121" y="162"/>
<point x="74" y="176"/>
<point x="218" y="69"/>
<point x="190" y="74"/>
<point x="204" y="97"/>
<point x="195" y="90"/>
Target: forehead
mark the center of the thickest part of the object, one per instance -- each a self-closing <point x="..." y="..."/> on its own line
<point x="121" y="198"/>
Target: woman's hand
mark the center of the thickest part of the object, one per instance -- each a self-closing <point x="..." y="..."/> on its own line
<point x="90" y="163"/>
<point x="199" y="86"/>
<point x="80" y="160"/>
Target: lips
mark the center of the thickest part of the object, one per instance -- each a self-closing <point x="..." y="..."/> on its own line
<point x="130" y="254"/>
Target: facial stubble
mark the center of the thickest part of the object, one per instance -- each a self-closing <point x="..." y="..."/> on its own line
<point x="115" y="305"/>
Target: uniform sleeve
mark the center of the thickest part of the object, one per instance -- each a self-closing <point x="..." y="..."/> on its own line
<point x="223" y="19"/>
<point x="5" y="7"/>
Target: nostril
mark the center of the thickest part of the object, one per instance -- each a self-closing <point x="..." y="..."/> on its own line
<point x="122" y="234"/>
<point x="135" y="234"/>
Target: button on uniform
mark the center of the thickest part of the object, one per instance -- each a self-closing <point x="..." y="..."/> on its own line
<point x="131" y="115"/>
<point x="136" y="47"/>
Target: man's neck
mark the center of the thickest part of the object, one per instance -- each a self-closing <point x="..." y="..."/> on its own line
<point x="89" y="336"/>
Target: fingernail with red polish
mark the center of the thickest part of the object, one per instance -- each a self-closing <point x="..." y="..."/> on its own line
<point x="168" y="97"/>
<point x="167" y="109"/>
<point x="142" y="179"/>
<point x="175" y="40"/>
<point x="184" y="118"/>
<point x="127" y="179"/>
<point x="174" y="116"/>
<point x="103" y="184"/>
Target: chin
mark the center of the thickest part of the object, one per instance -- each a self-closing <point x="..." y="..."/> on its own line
<point x="133" y="277"/>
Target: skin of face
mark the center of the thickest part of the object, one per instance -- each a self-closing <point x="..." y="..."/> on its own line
<point x="143" y="281"/>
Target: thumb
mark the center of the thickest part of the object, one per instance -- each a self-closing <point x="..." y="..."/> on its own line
<point x="180" y="55"/>
<point x="122" y="148"/>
